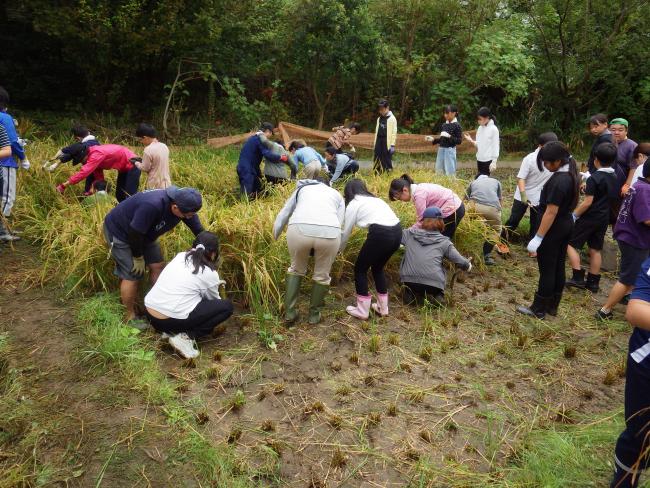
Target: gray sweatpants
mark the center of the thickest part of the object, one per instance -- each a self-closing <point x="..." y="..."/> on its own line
<point x="7" y="190"/>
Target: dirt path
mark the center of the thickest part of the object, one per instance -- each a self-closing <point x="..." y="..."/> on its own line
<point x="63" y="423"/>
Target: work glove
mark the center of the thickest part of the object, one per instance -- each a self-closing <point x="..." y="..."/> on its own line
<point x="575" y="217"/>
<point x="524" y="197"/>
<point x="444" y="133"/>
<point x="428" y="138"/>
<point x="138" y="266"/>
<point x="534" y="243"/>
<point x="25" y="164"/>
<point x="493" y="166"/>
<point x="469" y="269"/>
<point x="284" y="158"/>
<point x="60" y="188"/>
<point x="52" y="167"/>
<point x="391" y="151"/>
<point x="23" y="142"/>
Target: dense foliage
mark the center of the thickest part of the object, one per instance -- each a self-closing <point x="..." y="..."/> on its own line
<point x="540" y="64"/>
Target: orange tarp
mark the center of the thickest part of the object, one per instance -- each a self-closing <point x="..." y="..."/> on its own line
<point x="406" y="143"/>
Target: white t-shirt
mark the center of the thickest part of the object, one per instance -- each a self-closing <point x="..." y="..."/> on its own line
<point x="534" y="178"/>
<point x="178" y="290"/>
<point x="638" y="173"/>
<point x="364" y="211"/>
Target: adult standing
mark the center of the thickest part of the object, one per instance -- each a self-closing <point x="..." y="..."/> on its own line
<point x="250" y="159"/>
<point x="132" y="230"/>
<point x="385" y="138"/>
<point x="96" y="159"/>
<point x="487" y="141"/>
<point x="313" y="215"/>
<point x="625" y="164"/>
<point x="155" y="159"/>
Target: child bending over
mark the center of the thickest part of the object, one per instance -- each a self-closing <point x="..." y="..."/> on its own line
<point x="422" y="271"/>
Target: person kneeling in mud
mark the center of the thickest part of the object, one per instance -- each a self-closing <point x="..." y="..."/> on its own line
<point x="422" y="271"/>
<point x="184" y="303"/>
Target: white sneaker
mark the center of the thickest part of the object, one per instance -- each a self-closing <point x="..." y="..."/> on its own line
<point x="184" y="345"/>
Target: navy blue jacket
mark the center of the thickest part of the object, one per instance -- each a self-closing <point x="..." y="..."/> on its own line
<point x="251" y="156"/>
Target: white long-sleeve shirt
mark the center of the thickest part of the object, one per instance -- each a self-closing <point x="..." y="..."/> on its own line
<point x="363" y="211"/>
<point x="487" y="142"/>
<point x="178" y="290"/>
<point x="312" y="203"/>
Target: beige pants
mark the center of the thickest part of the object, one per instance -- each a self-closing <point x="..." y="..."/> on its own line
<point x="491" y="215"/>
<point x="300" y="247"/>
<point x="311" y="170"/>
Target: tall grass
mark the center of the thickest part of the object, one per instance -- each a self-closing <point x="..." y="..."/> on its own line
<point x="73" y="248"/>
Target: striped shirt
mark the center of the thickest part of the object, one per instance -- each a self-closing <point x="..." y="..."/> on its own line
<point x="4" y="138"/>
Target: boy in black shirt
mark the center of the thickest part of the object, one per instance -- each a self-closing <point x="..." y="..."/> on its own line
<point x="592" y="218"/>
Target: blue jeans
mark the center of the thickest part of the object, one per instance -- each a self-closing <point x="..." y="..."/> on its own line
<point x="446" y="161"/>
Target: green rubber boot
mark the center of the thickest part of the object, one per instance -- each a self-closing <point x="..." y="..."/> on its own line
<point x="318" y="293"/>
<point x="291" y="297"/>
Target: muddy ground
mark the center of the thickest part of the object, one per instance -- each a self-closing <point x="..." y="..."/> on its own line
<point x="426" y="394"/>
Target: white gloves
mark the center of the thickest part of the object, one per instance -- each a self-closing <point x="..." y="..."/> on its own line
<point x="444" y="133"/>
<point x="534" y="243"/>
<point x="22" y="142"/>
<point x="428" y="138"/>
<point x="575" y="217"/>
<point x="493" y="166"/>
<point x="51" y="167"/>
<point x="25" y="164"/>
<point x="470" y="267"/>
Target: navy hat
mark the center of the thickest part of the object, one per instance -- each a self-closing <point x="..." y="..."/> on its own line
<point x="74" y="152"/>
<point x="187" y="199"/>
<point x="432" y="213"/>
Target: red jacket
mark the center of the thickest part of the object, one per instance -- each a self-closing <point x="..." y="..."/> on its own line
<point x="106" y="156"/>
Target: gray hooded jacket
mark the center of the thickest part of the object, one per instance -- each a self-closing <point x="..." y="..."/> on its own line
<point x="423" y="260"/>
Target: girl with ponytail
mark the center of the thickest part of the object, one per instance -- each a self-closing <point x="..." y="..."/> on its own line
<point x="184" y="303"/>
<point x="558" y="199"/>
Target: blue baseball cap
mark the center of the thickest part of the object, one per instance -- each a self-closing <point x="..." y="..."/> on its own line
<point x="432" y="213"/>
<point x="187" y="199"/>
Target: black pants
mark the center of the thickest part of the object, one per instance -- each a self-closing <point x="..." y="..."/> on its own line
<point x="90" y="179"/>
<point x="416" y="293"/>
<point x="551" y="257"/>
<point x="127" y="184"/>
<point x="200" y="322"/>
<point x="632" y="442"/>
<point x="383" y="158"/>
<point x="380" y="245"/>
<point x="516" y="214"/>
<point x="483" y="167"/>
<point x="452" y="221"/>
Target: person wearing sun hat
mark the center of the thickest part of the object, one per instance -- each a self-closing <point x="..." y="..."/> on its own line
<point x="133" y="227"/>
<point x="422" y="271"/>
<point x="625" y="165"/>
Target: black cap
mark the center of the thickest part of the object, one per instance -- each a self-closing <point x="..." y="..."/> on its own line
<point x="186" y="199"/>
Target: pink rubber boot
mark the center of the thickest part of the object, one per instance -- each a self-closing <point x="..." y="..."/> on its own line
<point x="381" y="307"/>
<point x="362" y="310"/>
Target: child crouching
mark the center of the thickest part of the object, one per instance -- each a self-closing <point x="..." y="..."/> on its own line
<point x="422" y="271"/>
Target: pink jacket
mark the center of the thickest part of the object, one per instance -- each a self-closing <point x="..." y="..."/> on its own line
<point x="106" y="156"/>
<point x="426" y="195"/>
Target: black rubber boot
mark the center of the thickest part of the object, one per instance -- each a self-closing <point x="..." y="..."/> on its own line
<point x="592" y="283"/>
<point x="537" y="309"/>
<point x="577" y="280"/>
<point x="554" y="304"/>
